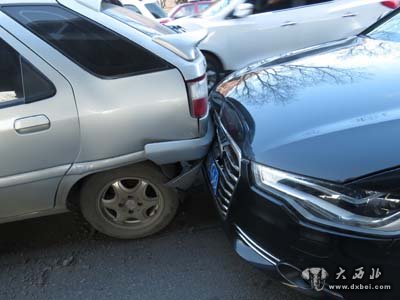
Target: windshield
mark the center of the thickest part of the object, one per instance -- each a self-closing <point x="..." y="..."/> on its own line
<point x="217" y="7"/>
<point x="133" y="8"/>
<point x="145" y="25"/>
<point x="388" y="31"/>
<point x="156" y="10"/>
<point x="184" y="11"/>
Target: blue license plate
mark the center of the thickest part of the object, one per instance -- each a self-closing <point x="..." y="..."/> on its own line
<point x="213" y="174"/>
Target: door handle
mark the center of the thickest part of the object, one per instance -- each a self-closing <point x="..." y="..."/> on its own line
<point x="288" y="24"/>
<point x="32" y="124"/>
<point x="349" y="15"/>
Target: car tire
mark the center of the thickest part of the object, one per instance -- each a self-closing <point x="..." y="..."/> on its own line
<point x="130" y="202"/>
<point x="214" y="70"/>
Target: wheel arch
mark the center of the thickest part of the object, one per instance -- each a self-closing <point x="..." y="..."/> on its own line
<point x="215" y="56"/>
<point x="72" y="198"/>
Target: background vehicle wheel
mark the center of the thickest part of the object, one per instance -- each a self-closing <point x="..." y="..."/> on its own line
<point x="130" y="202"/>
<point x="214" y="70"/>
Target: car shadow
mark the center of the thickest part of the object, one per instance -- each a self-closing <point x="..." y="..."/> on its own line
<point x="195" y="213"/>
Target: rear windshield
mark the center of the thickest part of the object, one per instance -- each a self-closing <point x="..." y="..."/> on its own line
<point x="95" y="48"/>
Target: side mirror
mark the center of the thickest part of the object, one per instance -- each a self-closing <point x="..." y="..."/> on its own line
<point x="243" y="10"/>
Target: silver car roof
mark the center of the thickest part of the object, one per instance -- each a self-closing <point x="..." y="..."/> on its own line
<point x="93" y="4"/>
<point x="92" y="9"/>
<point x="27" y="1"/>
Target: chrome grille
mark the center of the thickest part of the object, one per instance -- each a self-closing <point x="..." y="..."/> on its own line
<point x="228" y="158"/>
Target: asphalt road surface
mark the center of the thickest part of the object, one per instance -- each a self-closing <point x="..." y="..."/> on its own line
<point x="60" y="257"/>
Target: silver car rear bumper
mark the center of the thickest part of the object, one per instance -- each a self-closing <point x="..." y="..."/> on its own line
<point x="183" y="150"/>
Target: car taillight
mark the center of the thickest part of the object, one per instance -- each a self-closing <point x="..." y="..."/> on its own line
<point x="391" y="3"/>
<point x="198" y="96"/>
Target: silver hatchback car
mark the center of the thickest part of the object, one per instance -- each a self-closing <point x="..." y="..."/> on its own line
<point x="101" y="110"/>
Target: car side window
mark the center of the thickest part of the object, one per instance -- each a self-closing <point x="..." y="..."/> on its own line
<point x="133" y="8"/>
<point x="156" y="10"/>
<point x="97" y="49"/>
<point x="20" y="82"/>
<point x="297" y="3"/>
<point x="11" y="90"/>
<point x="203" y="6"/>
<point x="185" y="11"/>
<point x="262" y="6"/>
<point x="310" y="2"/>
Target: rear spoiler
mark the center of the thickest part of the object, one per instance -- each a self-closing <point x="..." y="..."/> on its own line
<point x="96" y="4"/>
<point x="93" y="4"/>
<point x="183" y="44"/>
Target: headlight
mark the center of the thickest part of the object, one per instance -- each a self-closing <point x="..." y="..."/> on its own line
<point x="332" y="204"/>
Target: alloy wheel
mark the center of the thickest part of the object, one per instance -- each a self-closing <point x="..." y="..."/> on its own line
<point x="133" y="202"/>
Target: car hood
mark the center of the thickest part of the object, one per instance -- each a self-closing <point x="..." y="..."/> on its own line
<point x="331" y="112"/>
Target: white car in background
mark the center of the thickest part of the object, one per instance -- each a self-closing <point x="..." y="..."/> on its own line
<point x="242" y="32"/>
<point x="148" y="8"/>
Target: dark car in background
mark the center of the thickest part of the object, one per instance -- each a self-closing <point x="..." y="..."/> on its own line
<point x="305" y="167"/>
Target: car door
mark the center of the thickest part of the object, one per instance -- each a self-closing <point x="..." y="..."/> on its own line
<point x="317" y="22"/>
<point x="39" y="129"/>
<point x="271" y="30"/>
<point x="321" y="21"/>
<point x="355" y="15"/>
